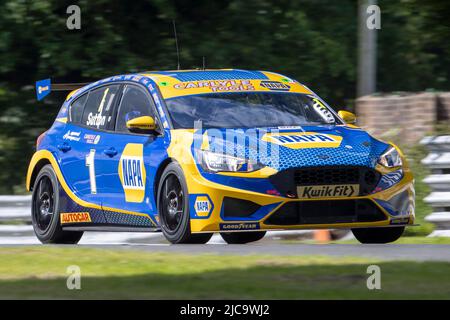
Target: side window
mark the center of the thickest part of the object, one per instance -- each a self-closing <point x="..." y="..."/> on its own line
<point x="134" y="103"/>
<point x="98" y="112"/>
<point x="76" y="109"/>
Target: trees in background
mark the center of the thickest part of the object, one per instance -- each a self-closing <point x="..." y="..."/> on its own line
<point x="312" y="41"/>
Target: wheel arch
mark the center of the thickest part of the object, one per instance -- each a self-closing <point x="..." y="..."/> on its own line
<point x="34" y="170"/>
<point x="163" y="165"/>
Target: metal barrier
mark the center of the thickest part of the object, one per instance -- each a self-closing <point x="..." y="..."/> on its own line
<point x="15" y="208"/>
<point x="438" y="161"/>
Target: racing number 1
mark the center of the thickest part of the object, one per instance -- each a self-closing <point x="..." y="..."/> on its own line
<point x="90" y="165"/>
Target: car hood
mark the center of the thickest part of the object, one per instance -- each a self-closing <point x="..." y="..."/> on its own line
<point x="284" y="148"/>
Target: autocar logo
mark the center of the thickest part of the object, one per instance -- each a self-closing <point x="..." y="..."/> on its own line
<point x="75" y="217"/>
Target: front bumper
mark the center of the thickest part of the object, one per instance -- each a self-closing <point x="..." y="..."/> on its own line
<point x="231" y="203"/>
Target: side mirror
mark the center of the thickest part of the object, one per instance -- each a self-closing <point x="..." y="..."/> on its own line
<point x="141" y="124"/>
<point x="348" y="117"/>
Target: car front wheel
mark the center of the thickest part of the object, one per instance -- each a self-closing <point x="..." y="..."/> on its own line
<point x="173" y="208"/>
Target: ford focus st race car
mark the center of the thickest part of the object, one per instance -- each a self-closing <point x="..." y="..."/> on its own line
<point x="195" y="152"/>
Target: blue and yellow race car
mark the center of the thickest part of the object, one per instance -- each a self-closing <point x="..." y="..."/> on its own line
<point x="196" y="152"/>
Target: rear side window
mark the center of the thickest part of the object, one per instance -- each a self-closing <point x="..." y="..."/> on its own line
<point x="76" y="109"/>
<point x="98" y="112"/>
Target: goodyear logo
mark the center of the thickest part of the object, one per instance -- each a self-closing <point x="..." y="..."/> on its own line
<point x="75" y="217"/>
<point x="132" y="172"/>
<point x="299" y="140"/>
<point x="239" y="226"/>
<point x="202" y="206"/>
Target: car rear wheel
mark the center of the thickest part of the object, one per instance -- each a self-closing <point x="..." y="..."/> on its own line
<point x="242" y="237"/>
<point x="45" y="210"/>
<point x="378" y="235"/>
<point x="173" y="207"/>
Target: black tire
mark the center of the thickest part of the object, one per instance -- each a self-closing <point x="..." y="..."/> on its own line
<point x="45" y="210"/>
<point x="378" y="235"/>
<point x="242" y="237"/>
<point x="173" y="208"/>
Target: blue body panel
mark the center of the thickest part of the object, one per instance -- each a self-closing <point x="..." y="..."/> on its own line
<point x="71" y="145"/>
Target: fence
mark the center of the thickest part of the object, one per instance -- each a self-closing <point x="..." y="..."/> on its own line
<point x="438" y="161"/>
<point x="15" y="208"/>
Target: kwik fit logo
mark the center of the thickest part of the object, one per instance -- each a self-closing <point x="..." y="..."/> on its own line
<point x="328" y="191"/>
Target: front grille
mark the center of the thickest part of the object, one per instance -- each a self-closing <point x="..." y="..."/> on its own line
<point x="326" y="212"/>
<point x="286" y="181"/>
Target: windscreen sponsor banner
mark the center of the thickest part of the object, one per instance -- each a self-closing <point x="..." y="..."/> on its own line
<point x="171" y="87"/>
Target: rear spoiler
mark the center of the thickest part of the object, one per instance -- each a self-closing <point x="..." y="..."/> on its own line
<point x="44" y="87"/>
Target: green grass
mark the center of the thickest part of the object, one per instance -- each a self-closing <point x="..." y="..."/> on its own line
<point x="40" y="272"/>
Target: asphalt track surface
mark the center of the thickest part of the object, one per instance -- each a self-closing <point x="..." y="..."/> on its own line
<point x="270" y="245"/>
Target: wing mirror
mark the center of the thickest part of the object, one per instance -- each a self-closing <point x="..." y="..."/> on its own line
<point x="144" y="124"/>
<point x="348" y="117"/>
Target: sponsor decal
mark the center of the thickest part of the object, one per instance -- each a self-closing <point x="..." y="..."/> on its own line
<point x="91" y="138"/>
<point x="399" y="221"/>
<point x="203" y="206"/>
<point x="75" y="217"/>
<point x="95" y="120"/>
<point x="43" y="88"/>
<point x="218" y="85"/>
<point x="328" y="191"/>
<point x="72" y="135"/>
<point x="239" y="226"/>
<point x="326" y="115"/>
<point x="132" y="172"/>
<point x="275" y="85"/>
<point x="299" y="140"/>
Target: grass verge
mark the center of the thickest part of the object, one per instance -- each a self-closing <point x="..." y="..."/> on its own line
<point x="40" y="272"/>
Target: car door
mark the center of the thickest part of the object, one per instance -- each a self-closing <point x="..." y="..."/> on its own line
<point x="89" y="117"/>
<point x="130" y="160"/>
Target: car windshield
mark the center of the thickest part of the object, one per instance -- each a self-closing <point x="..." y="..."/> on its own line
<point x="248" y="110"/>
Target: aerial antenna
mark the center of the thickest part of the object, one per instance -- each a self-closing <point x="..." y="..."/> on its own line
<point x="176" y="44"/>
<point x="204" y="63"/>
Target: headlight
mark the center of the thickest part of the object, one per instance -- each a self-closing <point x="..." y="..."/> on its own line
<point x="215" y="162"/>
<point x="391" y="158"/>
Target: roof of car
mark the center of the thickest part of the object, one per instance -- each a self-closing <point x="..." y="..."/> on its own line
<point x="210" y="74"/>
<point x="176" y="83"/>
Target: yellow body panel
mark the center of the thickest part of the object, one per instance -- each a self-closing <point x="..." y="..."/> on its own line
<point x="179" y="150"/>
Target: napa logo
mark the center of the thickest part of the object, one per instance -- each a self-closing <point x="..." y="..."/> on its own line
<point x="132" y="172"/>
<point x="202" y="206"/>
<point x="300" y="140"/>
